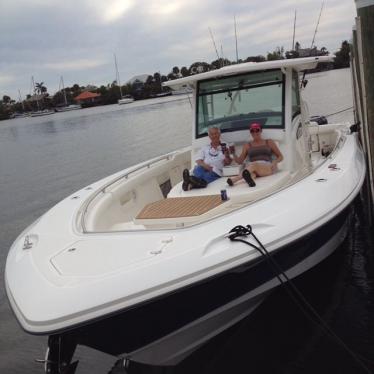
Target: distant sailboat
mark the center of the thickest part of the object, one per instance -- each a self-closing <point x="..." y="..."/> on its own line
<point x="65" y="107"/>
<point x="124" y="99"/>
<point x="39" y="112"/>
<point x="23" y="113"/>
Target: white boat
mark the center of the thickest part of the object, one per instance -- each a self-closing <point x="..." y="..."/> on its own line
<point x="40" y="113"/>
<point x="68" y="108"/>
<point x="65" y="107"/>
<point x="127" y="99"/>
<point x="19" y="115"/>
<point x="124" y="266"/>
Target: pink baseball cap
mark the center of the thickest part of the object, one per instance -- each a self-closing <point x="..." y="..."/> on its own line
<point x="255" y="125"/>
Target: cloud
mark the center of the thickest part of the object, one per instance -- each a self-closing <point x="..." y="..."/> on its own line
<point x="113" y="10"/>
<point x="6" y="79"/>
<point x="47" y="38"/>
<point x="163" y="7"/>
<point x="75" y="65"/>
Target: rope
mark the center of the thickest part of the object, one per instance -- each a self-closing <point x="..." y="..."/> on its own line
<point x="292" y="290"/>
<point x="340" y="111"/>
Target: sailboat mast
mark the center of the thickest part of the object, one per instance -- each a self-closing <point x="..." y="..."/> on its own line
<point x="63" y="90"/>
<point x="117" y="75"/>
<point x="20" y="99"/>
<point x="37" y="99"/>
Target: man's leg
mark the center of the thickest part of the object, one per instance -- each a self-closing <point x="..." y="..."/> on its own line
<point x="208" y="176"/>
<point x="199" y="172"/>
<point x="211" y="176"/>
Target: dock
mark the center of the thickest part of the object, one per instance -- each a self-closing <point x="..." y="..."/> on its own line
<point x="362" y="68"/>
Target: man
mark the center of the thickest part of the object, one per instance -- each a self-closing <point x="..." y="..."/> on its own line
<point x="210" y="162"/>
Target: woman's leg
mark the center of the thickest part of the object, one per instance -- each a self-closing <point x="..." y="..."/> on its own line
<point x="235" y="179"/>
<point x="256" y="169"/>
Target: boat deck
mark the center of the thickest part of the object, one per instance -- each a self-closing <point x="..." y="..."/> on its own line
<point x="189" y="207"/>
<point x="175" y="207"/>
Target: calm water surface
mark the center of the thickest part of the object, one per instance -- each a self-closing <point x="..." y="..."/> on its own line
<point x="42" y="160"/>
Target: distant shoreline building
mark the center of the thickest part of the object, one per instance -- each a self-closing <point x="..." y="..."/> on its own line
<point x="138" y="78"/>
<point x="87" y="98"/>
<point x="299" y="52"/>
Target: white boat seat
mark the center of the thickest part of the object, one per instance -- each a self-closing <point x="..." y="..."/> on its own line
<point x="240" y="192"/>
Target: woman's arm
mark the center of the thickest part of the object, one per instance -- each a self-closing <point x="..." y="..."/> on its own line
<point x="243" y="155"/>
<point x="227" y="160"/>
<point x="276" y="151"/>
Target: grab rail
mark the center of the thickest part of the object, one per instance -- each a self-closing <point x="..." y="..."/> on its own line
<point x="144" y="165"/>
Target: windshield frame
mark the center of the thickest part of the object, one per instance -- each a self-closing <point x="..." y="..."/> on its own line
<point x="255" y="85"/>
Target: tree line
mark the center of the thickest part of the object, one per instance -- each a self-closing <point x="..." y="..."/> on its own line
<point x="153" y="84"/>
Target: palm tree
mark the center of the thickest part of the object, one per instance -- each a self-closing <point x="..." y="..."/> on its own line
<point x="40" y="88"/>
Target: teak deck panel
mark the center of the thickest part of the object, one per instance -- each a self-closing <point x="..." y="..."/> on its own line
<point x="180" y="207"/>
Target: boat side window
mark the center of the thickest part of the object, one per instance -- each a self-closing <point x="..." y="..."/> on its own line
<point x="295" y="94"/>
<point x="232" y="102"/>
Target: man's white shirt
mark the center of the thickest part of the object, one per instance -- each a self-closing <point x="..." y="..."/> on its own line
<point x="213" y="157"/>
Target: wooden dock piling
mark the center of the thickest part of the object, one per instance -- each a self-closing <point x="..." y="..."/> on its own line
<point x="362" y="67"/>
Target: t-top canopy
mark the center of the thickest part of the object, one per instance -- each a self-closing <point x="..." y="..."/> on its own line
<point x="296" y="63"/>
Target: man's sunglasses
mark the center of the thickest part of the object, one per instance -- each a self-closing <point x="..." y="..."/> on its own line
<point x="254" y="130"/>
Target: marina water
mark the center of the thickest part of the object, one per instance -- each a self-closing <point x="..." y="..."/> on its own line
<point x="43" y="160"/>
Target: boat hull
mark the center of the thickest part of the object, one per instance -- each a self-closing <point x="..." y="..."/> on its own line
<point x="41" y="113"/>
<point x="68" y="108"/>
<point x="125" y="101"/>
<point x="165" y="330"/>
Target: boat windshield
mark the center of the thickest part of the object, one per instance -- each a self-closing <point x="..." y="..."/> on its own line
<point x="231" y="103"/>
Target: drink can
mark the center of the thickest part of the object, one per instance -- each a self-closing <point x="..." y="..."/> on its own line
<point x="223" y="195"/>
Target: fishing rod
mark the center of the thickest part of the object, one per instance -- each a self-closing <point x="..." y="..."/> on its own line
<point x="315" y="31"/>
<point x="222" y="61"/>
<point x="294" y="29"/>
<point x="236" y="41"/>
<point x="303" y="82"/>
<point x="214" y="43"/>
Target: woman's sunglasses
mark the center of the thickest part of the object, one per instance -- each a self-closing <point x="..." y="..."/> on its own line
<point x="254" y="130"/>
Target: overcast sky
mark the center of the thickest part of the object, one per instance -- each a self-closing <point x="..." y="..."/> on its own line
<point x="77" y="38"/>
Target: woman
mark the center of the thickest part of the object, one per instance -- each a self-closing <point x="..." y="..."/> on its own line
<point x="260" y="155"/>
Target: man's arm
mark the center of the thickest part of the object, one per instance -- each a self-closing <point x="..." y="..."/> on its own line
<point x="204" y="165"/>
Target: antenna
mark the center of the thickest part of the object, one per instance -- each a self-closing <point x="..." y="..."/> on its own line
<point x="214" y="43"/>
<point x="315" y="31"/>
<point x="294" y="28"/>
<point x="236" y="41"/>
